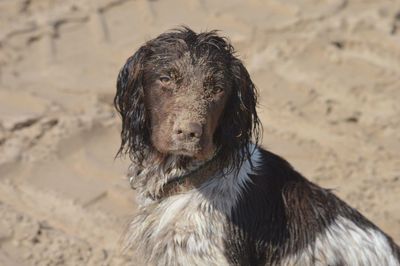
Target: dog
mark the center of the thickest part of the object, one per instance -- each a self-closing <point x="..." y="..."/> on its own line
<point x="209" y="194"/>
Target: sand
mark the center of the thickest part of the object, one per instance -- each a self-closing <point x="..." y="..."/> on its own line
<point x="327" y="73"/>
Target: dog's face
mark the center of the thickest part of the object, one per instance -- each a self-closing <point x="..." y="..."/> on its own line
<point x="185" y="94"/>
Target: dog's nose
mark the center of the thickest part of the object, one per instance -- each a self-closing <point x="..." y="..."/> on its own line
<point x="189" y="131"/>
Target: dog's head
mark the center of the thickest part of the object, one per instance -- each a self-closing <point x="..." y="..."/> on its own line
<point x="186" y="94"/>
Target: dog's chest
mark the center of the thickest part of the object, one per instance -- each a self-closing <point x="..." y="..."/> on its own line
<point x="184" y="229"/>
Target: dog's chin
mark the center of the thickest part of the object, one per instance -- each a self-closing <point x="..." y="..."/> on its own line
<point x="193" y="153"/>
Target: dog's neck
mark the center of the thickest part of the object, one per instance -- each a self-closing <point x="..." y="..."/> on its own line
<point x="191" y="180"/>
<point x="158" y="177"/>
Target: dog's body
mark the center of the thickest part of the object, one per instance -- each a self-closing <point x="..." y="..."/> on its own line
<point x="267" y="214"/>
<point x="208" y="195"/>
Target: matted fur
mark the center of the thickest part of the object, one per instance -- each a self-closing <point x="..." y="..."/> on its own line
<point x="189" y="223"/>
<point x="252" y="208"/>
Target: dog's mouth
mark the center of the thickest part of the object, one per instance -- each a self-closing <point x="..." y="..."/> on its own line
<point x="195" y="152"/>
<point x="191" y="153"/>
<point x="185" y="152"/>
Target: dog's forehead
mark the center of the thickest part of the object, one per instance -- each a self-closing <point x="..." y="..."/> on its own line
<point x="188" y="61"/>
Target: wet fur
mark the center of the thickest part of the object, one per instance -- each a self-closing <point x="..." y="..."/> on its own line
<point x="238" y="124"/>
<point x="254" y="208"/>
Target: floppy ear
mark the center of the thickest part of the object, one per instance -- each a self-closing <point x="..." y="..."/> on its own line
<point x="129" y="102"/>
<point x="240" y="123"/>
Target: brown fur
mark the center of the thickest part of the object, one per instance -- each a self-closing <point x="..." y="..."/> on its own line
<point x="209" y="195"/>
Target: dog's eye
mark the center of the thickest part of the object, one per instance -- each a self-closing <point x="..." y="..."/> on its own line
<point x="165" y="79"/>
<point x="217" y="90"/>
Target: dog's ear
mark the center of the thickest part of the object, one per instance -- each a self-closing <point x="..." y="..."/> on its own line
<point x="129" y="102"/>
<point x="240" y="123"/>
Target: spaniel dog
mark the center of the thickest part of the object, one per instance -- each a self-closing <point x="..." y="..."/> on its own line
<point x="208" y="193"/>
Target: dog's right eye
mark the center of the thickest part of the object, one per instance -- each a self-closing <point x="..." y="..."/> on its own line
<point x="165" y="80"/>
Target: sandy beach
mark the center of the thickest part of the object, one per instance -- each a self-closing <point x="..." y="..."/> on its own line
<point x="328" y="74"/>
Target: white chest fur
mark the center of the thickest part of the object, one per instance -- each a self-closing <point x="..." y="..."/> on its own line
<point x="181" y="230"/>
<point x="188" y="228"/>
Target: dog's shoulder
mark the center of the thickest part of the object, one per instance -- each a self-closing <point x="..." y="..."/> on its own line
<point x="282" y="218"/>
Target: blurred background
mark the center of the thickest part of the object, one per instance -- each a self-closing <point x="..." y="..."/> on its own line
<point x="328" y="73"/>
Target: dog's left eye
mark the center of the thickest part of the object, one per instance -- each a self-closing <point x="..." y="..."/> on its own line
<point x="211" y="86"/>
<point x="217" y="90"/>
<point x="165" y="79"/>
